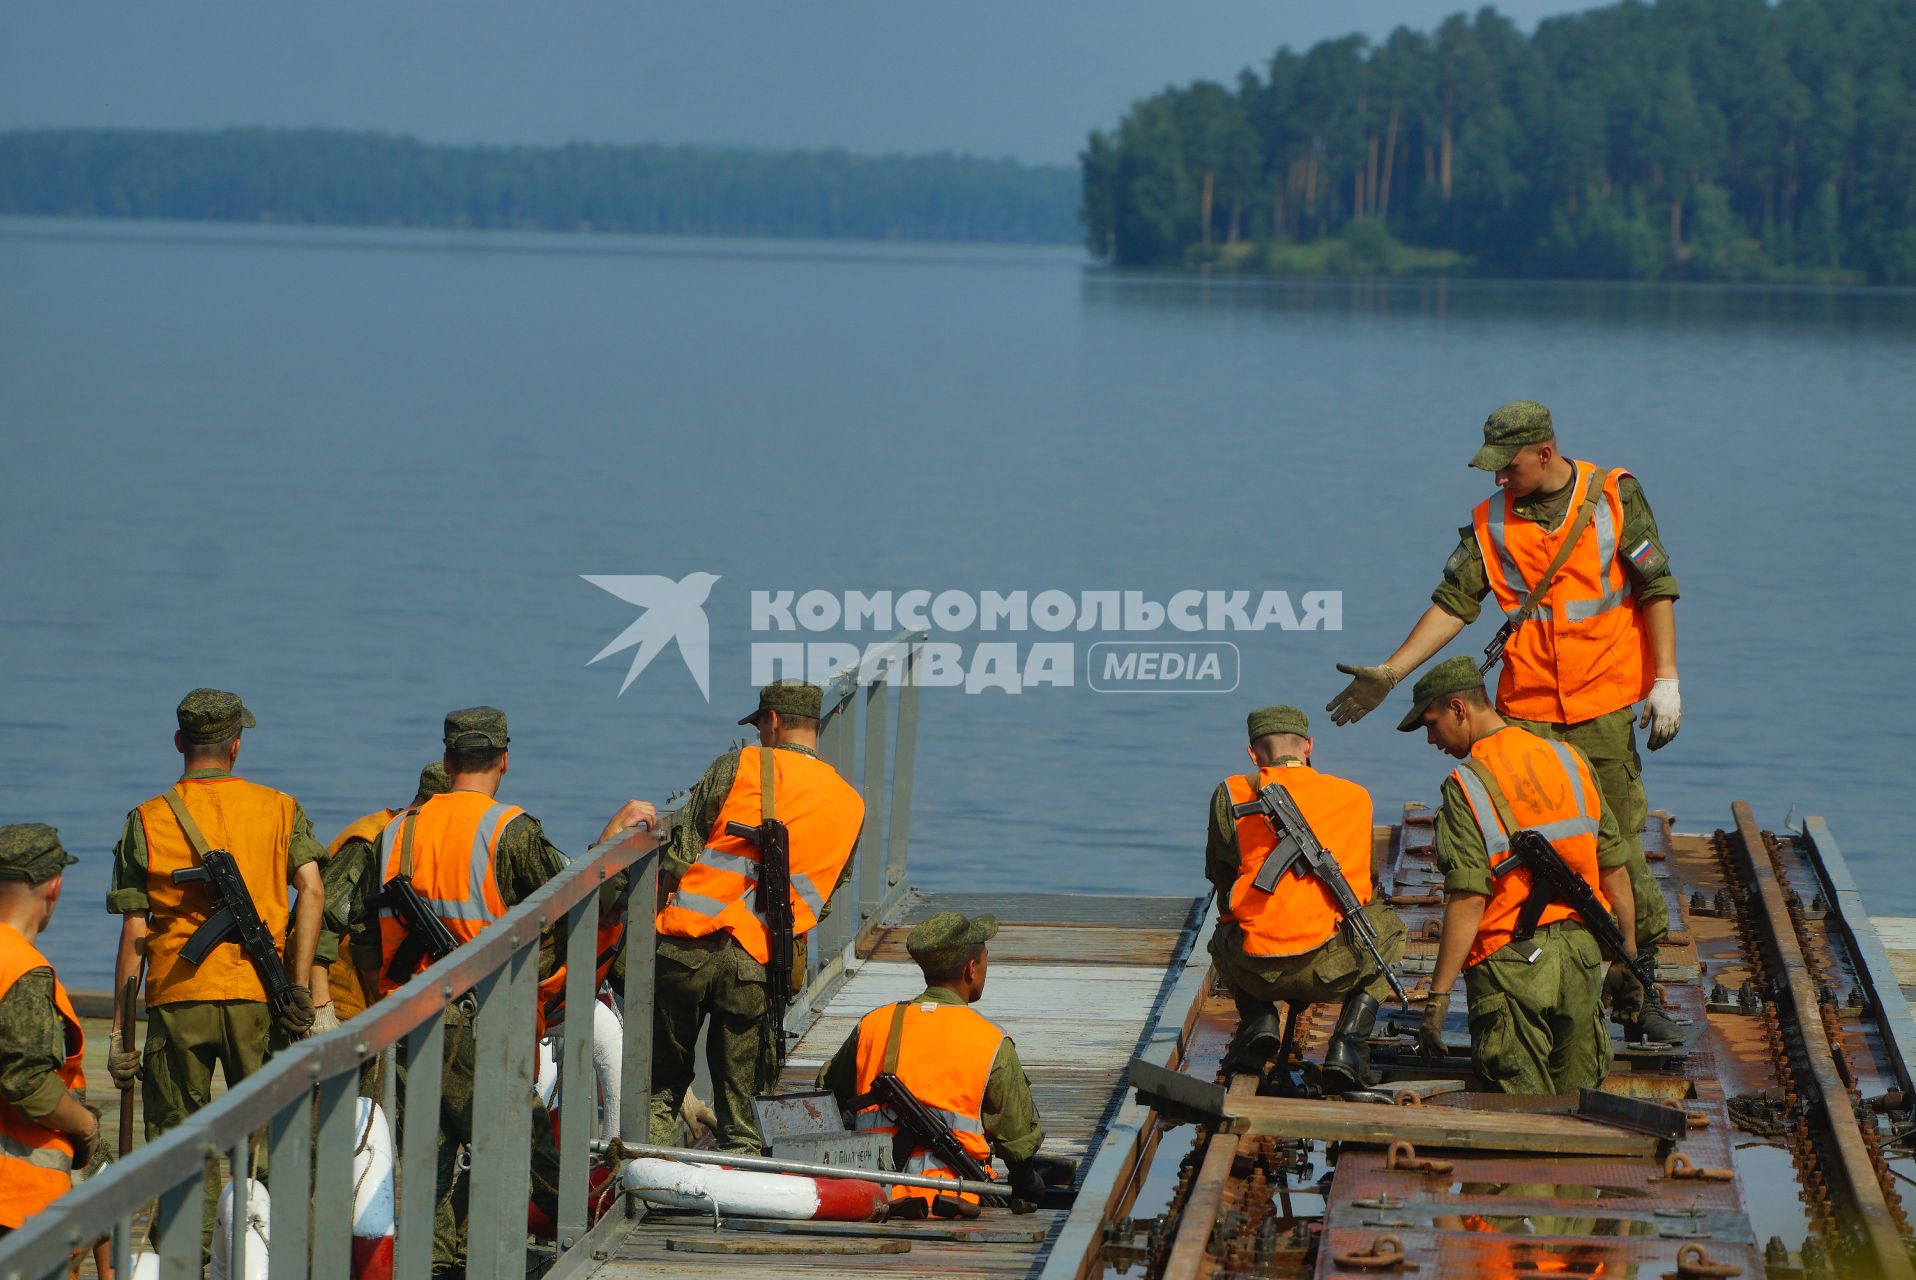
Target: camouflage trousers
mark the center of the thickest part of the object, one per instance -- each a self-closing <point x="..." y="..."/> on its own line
<point x="185" y="1040"/>
<point x="1538" y="1027"/>
<point x="710" y="982"/>
<point x="450" y="1211"/>
<point x="1323" y="975"/>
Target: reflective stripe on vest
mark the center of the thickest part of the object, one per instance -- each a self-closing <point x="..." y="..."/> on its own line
<point x="1298" y="915"/>
<point x="36" y="1161"/>
<point x="876" y="1121"/>
<point x="1584" y="652"/>
<point x="822" y="814"/>
<point x="455" y="839"/>
<point x="1525" y="767"/>
<point x="478" y="867"/>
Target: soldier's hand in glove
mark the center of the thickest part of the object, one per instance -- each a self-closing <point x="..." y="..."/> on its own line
<point x="1623" y="990"/>
<point x="1662" y="712"/>
<point x="325" y="1018"/>
<point x="123" y="1064"/>
<point x="88" y="1151"/>
<point x="1430" y="1031"/>
<point x="295" y="1015"/>
<point x="1365" y="693"/>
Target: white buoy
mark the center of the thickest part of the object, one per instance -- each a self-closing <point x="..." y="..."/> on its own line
<point x="146" y="1266"/>
<point x="746" y="1194"/>
<point x="608" y="1063"/>
<point x="372" y="1194"/>
<point x="258" y="1236"/>
<point x="545" y="1071"/>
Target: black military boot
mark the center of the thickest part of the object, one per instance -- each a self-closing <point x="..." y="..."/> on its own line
<point x="1347" y="1060"/>
<point x="1655" y="1025"/>
<point x="1256" y="1040"/>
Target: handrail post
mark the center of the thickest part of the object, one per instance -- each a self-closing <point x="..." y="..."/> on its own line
<point x="425" y="1057"/>
<point x="898" y="832"/>
<point x="641" y="957"/>
<point x="873" y="853"/>
<point x="289" y="1150"/>
<point x="333" y="1177"/>
<point x="577" y="1087"/>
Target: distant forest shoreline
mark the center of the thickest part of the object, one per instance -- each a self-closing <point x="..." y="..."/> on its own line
<point x="1725" y="140"/>
<point x="321" y="177"/>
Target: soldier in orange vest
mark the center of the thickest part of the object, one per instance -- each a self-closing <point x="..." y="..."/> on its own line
<point x="713" y="945"/>
<point x="472" y="857"/>
<point x="1536" y="1021"/>
<point x="1289" y="945"/>
<point x="46" y="1129"/>
<point x="216" y="1011"/>
<point x="350" y="875"/>
<point x="1598" y="638"/>
<point x="953" y="1059"/>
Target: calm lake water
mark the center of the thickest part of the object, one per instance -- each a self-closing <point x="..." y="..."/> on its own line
<point x="357" y="476"/>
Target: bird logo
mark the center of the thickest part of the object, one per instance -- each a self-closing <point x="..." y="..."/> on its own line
<point x="673" y="611"/>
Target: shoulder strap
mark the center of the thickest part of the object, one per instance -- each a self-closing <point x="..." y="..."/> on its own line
<point x="408" y="825"/>
<point x="767" y="776"/>
<point x="1586" y="510"/>
<point x="1498" y="800"/>
<point x="176" y="801"/>
<point x="892" y="1038"/>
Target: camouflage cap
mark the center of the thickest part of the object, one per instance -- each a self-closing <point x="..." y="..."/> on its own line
<point x="31" y="851"/>
<point x="1451" y="676"/>
<point x="433" y="781"/>
<point x="943" y="942"/>
<point x="788" y="698"/>
<point x="1280" y="719"/>
<point x="1509" y="429"/>
<point x="476" y="727"/>
<point x="212" y="715"/>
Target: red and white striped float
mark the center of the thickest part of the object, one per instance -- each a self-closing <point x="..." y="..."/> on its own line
<point x="372" y="1194"/>
<point x="745" y="1194"/>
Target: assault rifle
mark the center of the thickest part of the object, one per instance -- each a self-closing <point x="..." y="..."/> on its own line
<point x="775" y="909"/>
<point x="1299" y="851"/>
<point x="921" y="1127"/>
<point x="234" y="914"/>
<point x="1494" y="651"/>
<point x="1553" y="881"/>
<point x="427" y="937"/>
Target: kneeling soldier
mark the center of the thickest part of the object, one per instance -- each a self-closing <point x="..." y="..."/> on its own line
<point x="1536" y="1024"/>
<point x="954" y="1060"/>
<point x="1290" y="944"/>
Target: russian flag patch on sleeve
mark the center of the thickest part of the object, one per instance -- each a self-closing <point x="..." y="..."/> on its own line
<point x="1642" y="553"/>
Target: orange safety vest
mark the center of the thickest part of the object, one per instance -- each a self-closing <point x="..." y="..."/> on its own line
<point x="1585" y="652"/>
<point x="1298" y="915"/>
<point x="255" y="825"/>
<point x="454" y="837"/>
<point x="1547" y="787"/>
<point x="348" y="997"/>
<point x="944" y="1055"/>
<point x="36" y="1163"/>
<point x="823" y="814"/>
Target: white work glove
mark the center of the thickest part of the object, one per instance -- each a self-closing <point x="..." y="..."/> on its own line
<point x="1662" y="712"/>
<point x="325" y="1018"/>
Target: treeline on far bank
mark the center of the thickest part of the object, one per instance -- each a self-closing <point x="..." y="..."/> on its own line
<point x="1689" y="139"/>
<point x="373" y="179"/>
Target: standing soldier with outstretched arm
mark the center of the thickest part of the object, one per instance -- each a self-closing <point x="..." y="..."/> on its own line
<point x="219" y="1010"/>
<point x="1572" y="553"/>
<point x="714" y="947"/>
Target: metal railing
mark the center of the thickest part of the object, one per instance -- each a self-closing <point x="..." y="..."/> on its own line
<point x="304" y="1098"/>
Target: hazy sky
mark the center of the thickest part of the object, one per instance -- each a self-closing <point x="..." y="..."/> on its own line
<point x="994" y="77"/>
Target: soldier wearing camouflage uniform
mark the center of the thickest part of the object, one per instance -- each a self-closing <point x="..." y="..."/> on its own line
<point x="1541" y="486"/>
<point x="1536" y="1022"/>
<point x="46" y="1128"/>
<point x="215" y="1012"/>
<point x="349" y="876"/>
<point x="1289" y="945"/>
<point x="707" y="973"/>
<point x="931" y="1055"/>
<point x="476" y="762"/>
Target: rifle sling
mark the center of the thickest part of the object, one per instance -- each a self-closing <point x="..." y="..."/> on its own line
<point x="1585" y="511"/>
<point x="409" y="824"/>
<point x="767" y="779"/>
<point x="176" y="801"/>
<point x="896" y="1034"/>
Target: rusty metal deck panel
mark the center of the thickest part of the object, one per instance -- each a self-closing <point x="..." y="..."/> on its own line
<point x="1074" y="981"/>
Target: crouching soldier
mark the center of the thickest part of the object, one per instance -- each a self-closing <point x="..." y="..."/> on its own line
<point x="1290" y="943"/>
